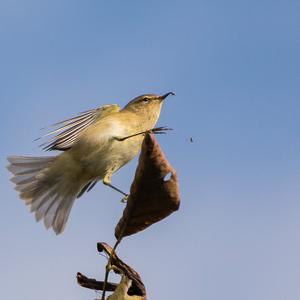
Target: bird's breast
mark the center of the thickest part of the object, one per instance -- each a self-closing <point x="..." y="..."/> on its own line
<point x="99" y="152"/>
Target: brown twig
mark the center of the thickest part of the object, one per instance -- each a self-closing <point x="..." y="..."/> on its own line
<point x="109" y="266"/>
<point x="94" y="284"/>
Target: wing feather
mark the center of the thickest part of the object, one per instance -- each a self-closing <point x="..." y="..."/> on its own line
<point x="67" y="131"/>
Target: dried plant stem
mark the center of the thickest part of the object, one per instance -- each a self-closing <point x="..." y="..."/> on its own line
<point x="108" y="267"/>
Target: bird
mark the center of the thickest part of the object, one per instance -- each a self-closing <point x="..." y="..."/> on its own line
<point x="94" y="144"/>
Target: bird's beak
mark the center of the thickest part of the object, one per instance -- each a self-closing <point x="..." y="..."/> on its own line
<point x="163" y="97"/>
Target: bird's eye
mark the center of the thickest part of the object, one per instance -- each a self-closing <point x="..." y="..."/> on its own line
<point x="145" y="99"/>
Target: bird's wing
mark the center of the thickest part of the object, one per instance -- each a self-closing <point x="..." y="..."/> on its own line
<point x="68" y="130"/>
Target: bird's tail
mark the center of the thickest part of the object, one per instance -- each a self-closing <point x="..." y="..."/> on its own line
<point x="46" y="187"/>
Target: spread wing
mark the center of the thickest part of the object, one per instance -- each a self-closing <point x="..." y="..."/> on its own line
<point x="67" y="131"/>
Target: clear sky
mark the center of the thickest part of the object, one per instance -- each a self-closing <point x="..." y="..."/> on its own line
<point x="234" y="66"/>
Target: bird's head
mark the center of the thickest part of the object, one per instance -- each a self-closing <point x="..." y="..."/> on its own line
<point x="147" y="103"/>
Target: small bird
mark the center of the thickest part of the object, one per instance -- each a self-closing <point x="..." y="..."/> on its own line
<point x="95" y="144"/>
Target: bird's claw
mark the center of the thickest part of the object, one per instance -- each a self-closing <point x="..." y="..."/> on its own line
<point x="124" y="199"/>
<point x="160" y="130"/>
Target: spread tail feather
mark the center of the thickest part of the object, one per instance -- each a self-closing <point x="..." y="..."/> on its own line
<point x="46" y="189"/>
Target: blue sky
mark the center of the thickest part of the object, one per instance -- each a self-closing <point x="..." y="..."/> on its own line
<point x="234" y="66"/>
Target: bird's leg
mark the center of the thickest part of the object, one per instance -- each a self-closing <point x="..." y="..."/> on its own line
<point x="157" y="130"/>
<point x="106" y="181"/>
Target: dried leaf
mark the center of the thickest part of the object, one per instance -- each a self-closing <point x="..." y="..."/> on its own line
<point x="137" y="287"/>
<point x="152" y="196"/>
<point x="91" y="283"/>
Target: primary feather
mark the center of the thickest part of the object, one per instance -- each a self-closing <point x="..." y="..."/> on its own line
<point x="68" y="130"/>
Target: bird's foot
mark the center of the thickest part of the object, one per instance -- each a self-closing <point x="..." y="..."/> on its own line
<point x="124" y="199"/>
<point x="157" y="130"/>
<point x="160" y="130"/>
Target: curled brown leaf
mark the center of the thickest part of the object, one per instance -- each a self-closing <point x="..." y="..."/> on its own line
<point x="153" y="196"/>
<point x="137" y="287"/>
